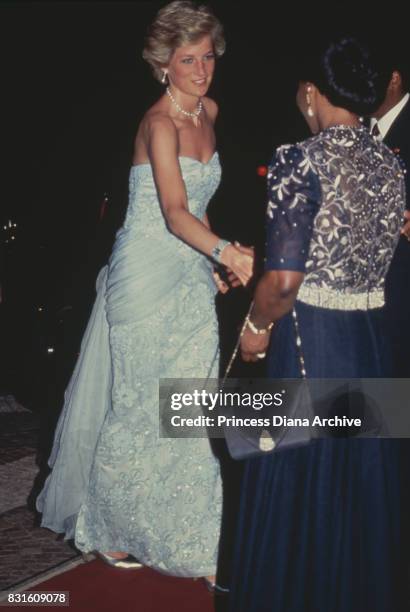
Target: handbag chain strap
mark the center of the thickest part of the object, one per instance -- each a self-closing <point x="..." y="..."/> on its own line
<point x="238" y="342"/>
<point x="299" y="344"/>
<point x="237" y="345"/>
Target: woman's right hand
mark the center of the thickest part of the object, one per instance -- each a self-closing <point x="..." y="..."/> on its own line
<point x="240" y="260"/>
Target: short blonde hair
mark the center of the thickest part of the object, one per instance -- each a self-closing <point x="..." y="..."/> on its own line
<point x="180" y="23"/>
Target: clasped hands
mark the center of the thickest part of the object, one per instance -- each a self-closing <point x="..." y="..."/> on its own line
<point x="238" y="261"/>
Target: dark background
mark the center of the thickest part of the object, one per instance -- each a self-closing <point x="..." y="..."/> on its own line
<point x="74" y="88"/>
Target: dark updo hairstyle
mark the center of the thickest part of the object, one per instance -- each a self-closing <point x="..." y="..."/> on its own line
<point x="344" y="72"/>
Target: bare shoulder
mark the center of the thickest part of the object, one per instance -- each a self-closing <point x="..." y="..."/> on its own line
<point x="155" y="120"/>
<point x="211" y="108"/>
<point x="161" y="137"/>
<point x="157" y="128"/>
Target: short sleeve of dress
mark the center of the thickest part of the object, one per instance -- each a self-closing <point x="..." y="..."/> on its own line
<point x="294" y="194"/>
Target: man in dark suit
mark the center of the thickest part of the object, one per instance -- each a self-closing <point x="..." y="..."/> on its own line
<point x="391" y="123"/>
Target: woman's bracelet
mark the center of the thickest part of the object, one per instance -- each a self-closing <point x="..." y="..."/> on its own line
<point x="256" y="330"/>
<point x="218" y="248"/>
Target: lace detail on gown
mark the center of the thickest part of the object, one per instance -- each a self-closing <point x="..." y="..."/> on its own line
<point x="324" y="216"/>
<point x="157" y="498"/>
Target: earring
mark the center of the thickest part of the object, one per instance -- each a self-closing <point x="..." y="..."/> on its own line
<point x="164" y="77"/>
<point x="309" y="111"/>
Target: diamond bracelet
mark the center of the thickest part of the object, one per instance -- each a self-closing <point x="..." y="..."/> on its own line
<point x="218" y="248"/>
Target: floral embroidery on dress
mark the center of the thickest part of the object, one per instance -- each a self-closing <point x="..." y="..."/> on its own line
<point x="321" y="215"/>
<point x="116" y="484"/>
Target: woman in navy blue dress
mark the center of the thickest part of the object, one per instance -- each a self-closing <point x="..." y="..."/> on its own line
<point x="319" y="525"/>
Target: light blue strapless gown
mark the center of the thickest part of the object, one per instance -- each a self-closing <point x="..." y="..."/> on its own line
<point x="115" y="485"/>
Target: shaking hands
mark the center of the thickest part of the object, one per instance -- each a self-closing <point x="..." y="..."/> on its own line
<point x="238" y="261"/>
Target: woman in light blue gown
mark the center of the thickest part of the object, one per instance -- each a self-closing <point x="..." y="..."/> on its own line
<point x="116" y="487"/>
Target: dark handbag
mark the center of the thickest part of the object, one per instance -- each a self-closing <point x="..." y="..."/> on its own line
<point x="247" y="442"/>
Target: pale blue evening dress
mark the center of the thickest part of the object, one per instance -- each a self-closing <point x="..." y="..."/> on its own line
<point x="115" y="484"/>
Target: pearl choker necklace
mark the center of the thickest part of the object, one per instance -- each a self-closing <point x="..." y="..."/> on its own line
<point x="194" y="114"/>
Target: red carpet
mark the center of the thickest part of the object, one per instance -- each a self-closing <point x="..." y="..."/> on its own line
<point x="95" y="586"/>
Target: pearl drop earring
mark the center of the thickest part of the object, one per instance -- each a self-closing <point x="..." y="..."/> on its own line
<point x="309" y="111"/>
<point x="164" y="77"/>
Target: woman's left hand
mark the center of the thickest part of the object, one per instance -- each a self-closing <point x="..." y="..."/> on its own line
<point x="254" y="346"/>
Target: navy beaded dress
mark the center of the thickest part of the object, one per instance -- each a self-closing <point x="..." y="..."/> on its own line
<point x="318" y="527"/>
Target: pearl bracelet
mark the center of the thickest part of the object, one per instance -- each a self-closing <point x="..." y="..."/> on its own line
<point x="257" y="331"/>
